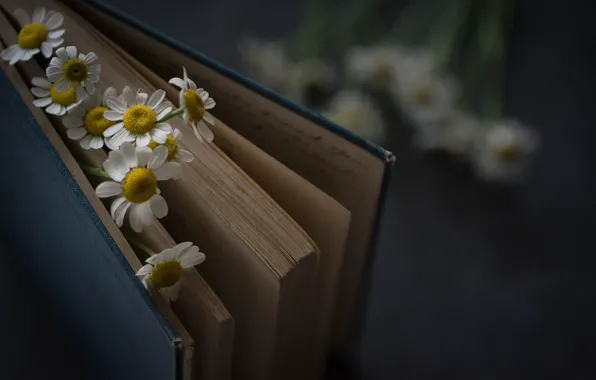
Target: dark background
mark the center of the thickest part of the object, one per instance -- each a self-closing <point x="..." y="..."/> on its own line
<point x="471" y="281"/>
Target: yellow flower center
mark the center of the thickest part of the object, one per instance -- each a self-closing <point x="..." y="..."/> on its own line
<point x="139" y="185"/>
<point x="139" y="119"/>
<point x="75" y="70"/>
<point x="194" y="105"/>
<point x="95" y="123"/>
<point x="509" y="153"/>
<point x="64" y="98"/>
<point x="171" y="144"/>
<point x="166" y="274"/>
<point x="32" y="35"/>
<point x="422" y="96"/>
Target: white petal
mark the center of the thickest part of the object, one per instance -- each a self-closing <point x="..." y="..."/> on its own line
<point x="85" y="141"/>
<point x="95" y="68"/>
<point x="115" y="166"/>
<point x="173" y="292"/>
<point x="121" y="212"/>
<point x="110" y="92"/>
<point x="179" y="248"/>
<point x="144" y="139"/>
<point x="78" y="113"/>
<point x="156" y="99"/>
<point x="146" y="214"/>
<point x="42" y="102"/>
<point x="81" y="94"/>
<point x="163" y="113"/>
<point x="113" y="116"/>
<point x="181" y="99"/>
<point x="184" y="156"/>
<point x="8" y="53"/>
<point x="176" y="134"/>
<point x="63" y="86"/>
<point x="128" y="96"/>
<point x="46" y="49"/>
<point x="96" y="142"/>
<point x="22" y="17"/>
<point x="122" y="136"/>
<point x="56" y="64"/>
<point x="111" y="131"/>
<point x="170" y="170"/>
<point x="184" y="75"/>
<point x="55" y="76"/>
<point x="205" y="132"/>
<point x="192" y="84"/>
<point x="89" y="86"/>
<point x="209" y="104"/>
<point x="164" y="127"/>
<point x="130" y="155"/>
<point x="76" y="133"/>
<point x="177" y="82"/>
<point x="93" y="77"/>
<point x="158" y="136"/>
<point x="54" y="109"/>
<point x="144" y="154"/>
<point x="158" y="205"/>
<point x="62" y="54"/>
<point x="114" y="206"/>
<point x="55" y="43"/>
<point x="209" y="118"/>
<point x="71" y="51"/>
<point x="141" y="98"/>
<point x="191" y="257"/>
<point x="116" y="104"/>
<point x="41" y="83"/>
<point x="17" y="56"/>
<point x="163" y="106"/>
<point x="39" y="14"/>
<point x="135" y="218"/>
<point x="145" y="270"/>
<point x="203" y="94"/>
<point x="72" y="122"/>
<point x="40" y="92"/>
<point x="158" y="157"/>
<point x="55" y="21"/>
<point x="29" y="54"/>
<point x="90" y="58"/>
<point x="108" y="189"/>
<point x="56" y="33"/>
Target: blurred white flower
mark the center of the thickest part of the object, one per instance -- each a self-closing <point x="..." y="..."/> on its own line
<point x="502" y="152"/>
<point x="311" y="82"/>
<point x="267" y="63"/>
<point x="357" y="112"/>
<point x="426" y="98"/>
<point x="455" y="135"/>
<point x="377" y="65"/>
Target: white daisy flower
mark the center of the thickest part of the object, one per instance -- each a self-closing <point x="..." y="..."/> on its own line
<point x="39" y="33"/>
<point x="267" y="63"/>
<point x="85" y="122"/>
<point x="426" y="98"/>
<point x="311" y="82"/>
<point x="357" y="112"/>
<point x="376" y="65"/>
<point x="135" y="172"/>
<point x="456" y="134"/>
<point x="501" y="154"/>
<point x="196" y="102"/>
<point x="164" y="270"/>
<point x="137" y="118"/>
<point x="69" y="69"/>
<point x="174" y="152"/>
<point x="55" y="102"/>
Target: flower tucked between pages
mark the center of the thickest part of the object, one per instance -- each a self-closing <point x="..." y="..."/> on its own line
<point x="40" y="33"/>
<point x="135" y="172"/>
<point x="85" y="121"/>
<point x="137" y="118"/>
<point x="196" y="102"/>
<point x="55" y="102"/>
<point x="174" y="152"/>
<point x="164" y="270"/>
<point x="69" y="70"/>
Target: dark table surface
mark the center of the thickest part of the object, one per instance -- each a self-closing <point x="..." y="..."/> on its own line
<point x="470" y="281"/>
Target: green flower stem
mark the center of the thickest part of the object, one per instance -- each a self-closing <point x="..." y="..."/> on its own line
<point x="133" y="240"/>
<point x="98" y="172"/>
<point x="174" y="113"/>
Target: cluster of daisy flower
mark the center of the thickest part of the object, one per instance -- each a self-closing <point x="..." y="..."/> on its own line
<point x="498" y="150"/>
<point x="132" y="125"/>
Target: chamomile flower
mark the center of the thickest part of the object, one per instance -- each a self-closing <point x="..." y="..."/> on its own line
<point x="137" y="118"/>
<point x="174" y="152"/>
<point x="501" y="154"/>
<point x="357" y="112"/>
<point x="55" y="102"/>
<point x="311" y="82"/>
<point x="39" y="33"/>
<point x="164" y="270"/>
<point x="69" y="69"/>
<point x="196" y="102"/>
<point x="267" y="62"/>
<point x="376" y="65"/>
<point x="456" y="134"/>
<point x="135" y="172"/>
<point x="85" y="122"/>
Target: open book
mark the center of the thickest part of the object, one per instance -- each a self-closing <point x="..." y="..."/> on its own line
<point x="133" y="152"/>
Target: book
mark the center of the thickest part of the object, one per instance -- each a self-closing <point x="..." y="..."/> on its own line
<point x="283" y="203"/>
